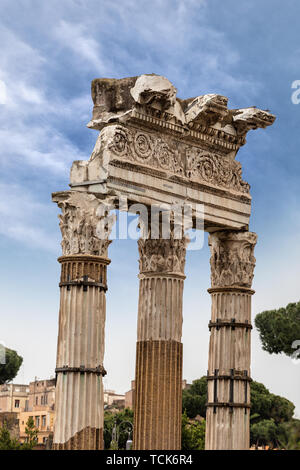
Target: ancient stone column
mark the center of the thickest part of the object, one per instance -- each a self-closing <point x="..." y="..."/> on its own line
<point x="80" y="348"/>
<point x="158" y="379"/>
<point x="228" y="408"/>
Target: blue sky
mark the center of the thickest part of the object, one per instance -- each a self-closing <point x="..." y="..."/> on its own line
<point x="248" y="51"/>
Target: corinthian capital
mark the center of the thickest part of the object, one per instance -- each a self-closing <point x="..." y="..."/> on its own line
<point x="85" y="223"/>
<point x="232" y="258"/>
<point x="162" y="255"/>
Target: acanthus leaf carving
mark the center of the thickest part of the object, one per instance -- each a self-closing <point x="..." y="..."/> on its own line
<point x="232" y="258"/>
<point x="82" y="215"/>
<point x="162" y="255"/>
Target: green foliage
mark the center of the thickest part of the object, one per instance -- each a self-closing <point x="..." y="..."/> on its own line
<point x="9" y="370"/>
<point x="278" y="329"/>
<point x="264" y="432"/>
<point x="6" y="441"/>
<point x="266" y="405"/>
<point x="116" y="428"/>
<point x="194" y="399"/>
<point x="192" y="434"/>
<point x="270" y="414"/>
<point x="31" y="434"/>
<point x="289" y="436"/>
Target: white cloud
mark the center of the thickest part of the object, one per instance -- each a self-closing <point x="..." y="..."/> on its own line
<point x="40" y="147"/>
<point x="29" y="118"/>
<point x="3" y="93"/>
<point x="75" y="37"/>
<point x="24" y="219"/>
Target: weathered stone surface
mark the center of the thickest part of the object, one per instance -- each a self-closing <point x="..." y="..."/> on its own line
<point x="154" y="90"/>
<point x="207" y="109"/>
<point x="86" y="439"/>
<point x="157" y="417"/>
<point x="251" y="118"/>
<point x="158" y="150"/>
<point x="149" y="135"/>
<point x="120" y="100"/>
<point x="232" y="258"/>
<point x="162" y="255"/>
<point x="158" y="404"/>
<point x="112" y="100"/>
<point x="228" y="410"/>
<point x="85" y="224"/>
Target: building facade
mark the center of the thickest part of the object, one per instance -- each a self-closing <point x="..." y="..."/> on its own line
<point x="14" y="398"/>
<point x="36" y="400"/>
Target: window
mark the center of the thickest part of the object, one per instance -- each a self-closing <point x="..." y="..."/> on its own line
<point x="17" y="403"/>
<point x="44" y="421"/>
<point x="36" y="400"/>
<point x="42" y="400"/>
<point x="37" y="421"/>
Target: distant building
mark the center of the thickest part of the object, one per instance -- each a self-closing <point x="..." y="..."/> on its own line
<point x="43" y="421"/>
<point x="13" y="398"/>
<point x="41" y="404"/>
<point x="113" y="399"/>
<point x="185" y="385"/>
<point x="129" y="396"/>
<point x="11" y="421"/>
<point x="19" y="402"/>
<point x="41" y="394"/>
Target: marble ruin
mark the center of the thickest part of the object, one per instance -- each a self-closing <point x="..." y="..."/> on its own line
<point x="155" y="149"/>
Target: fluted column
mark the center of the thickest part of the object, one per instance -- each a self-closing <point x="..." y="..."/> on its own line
<point x="79" y="400"/>
<point x="158" y="379"/>
<point x="228" y="407"/>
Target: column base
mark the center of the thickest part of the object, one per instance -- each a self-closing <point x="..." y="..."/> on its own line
<point x="158" y="405"/>
<point x="86" y="439"/>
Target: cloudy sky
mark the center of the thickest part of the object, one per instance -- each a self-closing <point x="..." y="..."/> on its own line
<point x="248" y="51"/>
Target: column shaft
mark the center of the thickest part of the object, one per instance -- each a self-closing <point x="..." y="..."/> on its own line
<point x="80" y="351"/>
<point x="228" y="401"/>
<point x="158" y="379"/>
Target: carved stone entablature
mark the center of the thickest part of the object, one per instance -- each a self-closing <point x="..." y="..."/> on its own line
<point x="85" y="223"/>
<point x="151" y="100"/>
<point x="232" y="259"/>
<point x="169" y="155"/>
<point x="162" y="255"/>
<point x="155" y="148"/>
<point x="251" y="118"/>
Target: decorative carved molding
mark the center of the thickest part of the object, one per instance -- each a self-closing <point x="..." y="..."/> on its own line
<point x="152" y="98"/>
<point x="215" y="169"/>
<point x="232" y="258"/>
<point x="162" y="255"/>
<point x="85" y="223"/>
<point x="184" y="160"/>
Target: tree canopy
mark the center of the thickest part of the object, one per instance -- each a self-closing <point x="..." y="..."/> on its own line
<point x="279" y="330"/>
<point x="9" y="370"/>
<point x="6" y="441"/>
<point x="117" y="429"/>
<point x="271" y="415"/>
<point x="192" y="434"/>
